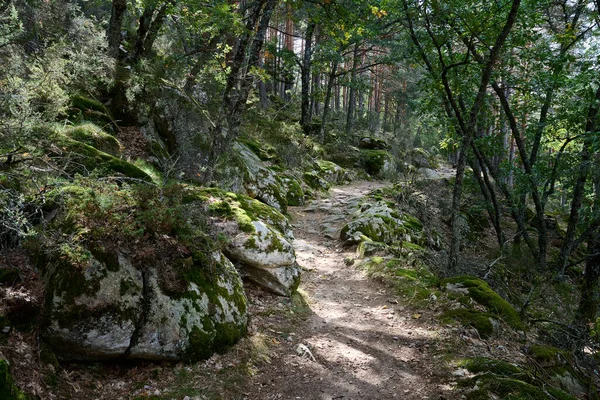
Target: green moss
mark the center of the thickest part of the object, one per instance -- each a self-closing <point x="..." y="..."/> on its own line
<point x="374" y="160"/>
<point x="548" y="355"/>
<point x="293" y="189"/>
<point x="94" y="136"/>
<point x="498" y="367"/>
<point x="264" y="152"/>
<point x="214" y="335"/>
<point x="314" y="181"/>
<point x="89" y="158"/>
<point x="8" y="389"/>
<point x="85" y="108"/>
<point x="479" y="320"/>
<point x="480" y="291"/>
<point x="510" y="388"/>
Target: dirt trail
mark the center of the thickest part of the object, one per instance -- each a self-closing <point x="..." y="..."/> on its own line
<point x="366" y="344"/>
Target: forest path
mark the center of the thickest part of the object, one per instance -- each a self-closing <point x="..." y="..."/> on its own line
<point x="363" y="342"/>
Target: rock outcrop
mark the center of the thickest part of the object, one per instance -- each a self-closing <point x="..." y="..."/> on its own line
<point x="111" y="309"/>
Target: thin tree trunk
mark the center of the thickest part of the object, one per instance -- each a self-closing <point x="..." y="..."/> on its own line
<point x="352" y="92"/>
<point x="115" y="25"/>
<point x="330" y="82"/>
<point x="584" y="169"/>
<point x="306" y="63"/>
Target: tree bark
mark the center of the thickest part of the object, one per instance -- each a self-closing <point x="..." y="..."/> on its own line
<point x="115" y="24"/>
<point x="352" y="92"/>
<point x="306" y="62"/>
<point x="330" y="82"/>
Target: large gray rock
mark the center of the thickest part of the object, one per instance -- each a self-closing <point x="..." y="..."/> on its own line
<point x="108" y="310"/>
<point x="380" y="223"/>
<point x="259" y="237"/>
<point x="266" y="257"/>
<point x="259" y="181"/>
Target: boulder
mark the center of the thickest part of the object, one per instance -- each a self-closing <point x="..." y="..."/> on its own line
<point x="378" y="163"/>
<point x="380" y="223"/>
<point x="331" y="172"/>
<point x="371" y="143"/>
<point x="259" y="181"/>
<point x="94" y="136"/>
<point x="259" y="238"/>
<point x="111" y="309"/>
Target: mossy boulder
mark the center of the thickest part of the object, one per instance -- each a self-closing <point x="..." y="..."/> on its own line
<point x="94" y="136"/>
<point x="294" y="193"/>
<point x="421" y="158"/>
<point x="128" y="276"/>
<point x="496" y="378"/>
<point x="8" y="388"/>
<point x="315" y="181"/>
<point x="378" y="222"/>
<point x="259" y="237"/>
<point x="111" y="309"/>
<point x="260" y="181"/>
<point x="378" y="163"/>
<point x="481" y="292"/>
<point x="331" y="172"/>
<point x="79" y="157"/>
<point x="83" y="108"/>
<point x="371" y="143"/>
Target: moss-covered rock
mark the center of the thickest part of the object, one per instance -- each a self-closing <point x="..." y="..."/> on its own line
<point x="378" y="163"/>
<point x="315" y="181"/>
<point x="331" y="172"/>
<point x="94" y="136"/>
<point x="264" y="151"/>
<point x="104" y="311"/>
<point x="129" y="277"/>
<point x="83" y="108"/>
<point x="294" y="193"/>
<point x="78" y="157"/>
<point x="483" y="322"/>
<point x="259" y="237"/>
<point x="371" y="143"/>
<point x="260" y="181"/>
<point x="481" y="292"/>
<point x="421" y="158"/>
<point x="8" y="389"/>
<point x="380" y="223"/>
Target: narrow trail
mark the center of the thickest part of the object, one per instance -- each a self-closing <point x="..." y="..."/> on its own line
<point x="363" y="342"/>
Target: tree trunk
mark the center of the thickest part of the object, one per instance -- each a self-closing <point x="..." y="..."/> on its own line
<point x="578" y="192"/>
<point x="330" y="82"/>
<point x="352" y="92"/>
<point x="115" y="24"/>
<point x="306" y="62"/>
<point x="238" y="85"/>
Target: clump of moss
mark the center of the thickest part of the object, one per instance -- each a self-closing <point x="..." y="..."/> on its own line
<point x="548" y="355"/>
<point x="373" y="161"/>
<point x="8" y="388"/>
<point x="293" y="188"/>
<point x="94" y="136"/>
<point x="89" y="158"/>
<point x="264" y="152"/>
<point x="481" y="321"/>
<point x="509" y="388"/>
<point x="481" y="292"/>
<point x="86" y="109"/>
<point x="498" y="367"/>
<point x="314" y="181"/>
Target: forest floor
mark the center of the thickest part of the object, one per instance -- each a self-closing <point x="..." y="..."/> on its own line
<point x="357" y="338"/>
